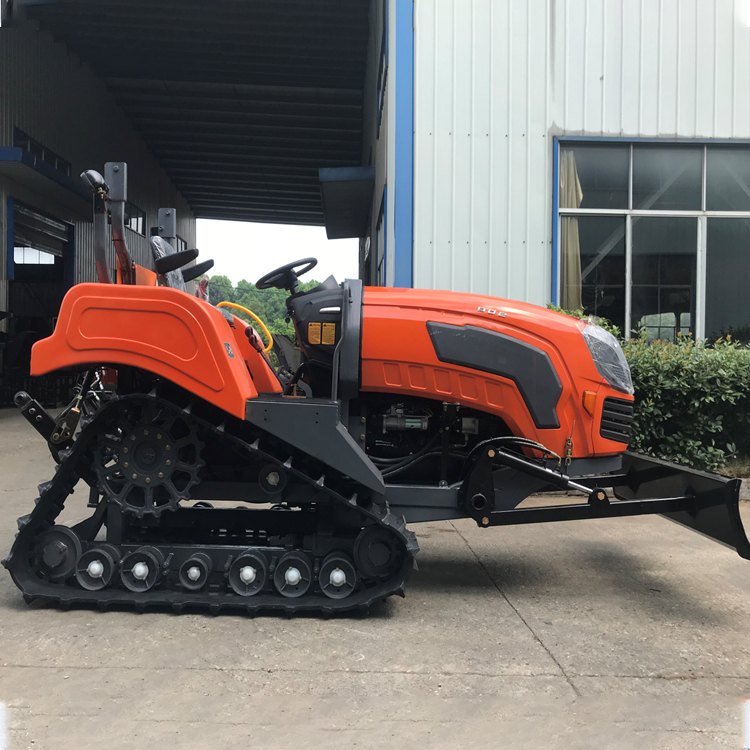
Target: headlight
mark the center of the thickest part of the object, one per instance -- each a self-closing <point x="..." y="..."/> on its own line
<point x="608" y="357"/>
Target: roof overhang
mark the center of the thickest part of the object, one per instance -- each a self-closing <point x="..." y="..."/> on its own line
<point x="241" y="102"/>
<point x="35" y="174"/>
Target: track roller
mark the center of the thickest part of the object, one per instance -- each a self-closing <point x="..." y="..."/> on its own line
<point x="59" y="552"/>
<point x="376" y="553"/>
<point x="142" y="569"/>
<point x="95" y="568"/>
<point x="194" y="572"/>
<point x="248" y="573"/>
<point x="293" y="575"/>
<point x="337" y="577"/>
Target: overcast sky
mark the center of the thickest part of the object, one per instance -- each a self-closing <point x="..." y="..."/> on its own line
<point x="248" y="251"/>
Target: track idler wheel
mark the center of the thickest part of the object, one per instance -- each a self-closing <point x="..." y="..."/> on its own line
<point x="96" y="568"/>
<point x="58" y="553"/>
<point x="337" y="576"/>
<point x="376" y="553"/>
<point x="293" y="575"/>
<point x="194" y="572"/>
<point x="142" y="569"/>
<point x="248" y="574"/>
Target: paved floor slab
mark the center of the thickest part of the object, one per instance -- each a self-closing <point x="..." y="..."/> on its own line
<point x="616" y="634"/>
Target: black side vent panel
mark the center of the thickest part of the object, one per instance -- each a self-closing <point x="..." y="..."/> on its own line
<point x="489" y="351"/>
<point x="617" y="420"/>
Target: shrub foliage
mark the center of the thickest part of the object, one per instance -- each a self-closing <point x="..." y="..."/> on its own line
<point x="692" y="399"/>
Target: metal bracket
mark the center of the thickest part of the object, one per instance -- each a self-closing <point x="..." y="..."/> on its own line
<point x="167" y="219"/>
<point x="477" y="493"/>
<point x="35" y="414"/>
<point x="116" y="176"/>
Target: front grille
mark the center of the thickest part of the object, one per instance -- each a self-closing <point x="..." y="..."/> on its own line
<point x="617" y="420"/>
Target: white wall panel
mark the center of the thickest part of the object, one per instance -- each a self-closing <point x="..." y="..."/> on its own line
<point x="481" y="146"/>
<point x="496" y="79"/>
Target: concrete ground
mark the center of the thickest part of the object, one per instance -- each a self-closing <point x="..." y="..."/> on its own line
<point x="603" y="634"/>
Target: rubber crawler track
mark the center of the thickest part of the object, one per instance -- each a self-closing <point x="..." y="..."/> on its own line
<point x="53" y="494"/>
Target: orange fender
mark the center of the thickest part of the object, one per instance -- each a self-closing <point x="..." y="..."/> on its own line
<point x="155" y="328"/>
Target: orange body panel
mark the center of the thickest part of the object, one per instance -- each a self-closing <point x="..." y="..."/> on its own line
<point x="143" y="276"/>
<point x="158" y="329"/>
<point x="398" y="357"/>
<point x="264" y="378"/>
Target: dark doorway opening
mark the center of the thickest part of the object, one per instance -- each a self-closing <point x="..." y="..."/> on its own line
<point x="39" y="273"/>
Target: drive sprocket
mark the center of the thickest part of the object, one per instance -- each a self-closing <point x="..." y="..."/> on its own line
<point x="147" y="459"/>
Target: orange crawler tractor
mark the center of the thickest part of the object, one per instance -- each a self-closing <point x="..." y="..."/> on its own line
<point x="217" y="480"/>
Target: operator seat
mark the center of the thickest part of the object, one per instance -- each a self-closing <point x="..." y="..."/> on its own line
<point x="168" y="264"/>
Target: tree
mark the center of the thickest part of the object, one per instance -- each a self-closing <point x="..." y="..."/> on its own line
<point x="220" y="289"/>
<point x="268" y="304"/>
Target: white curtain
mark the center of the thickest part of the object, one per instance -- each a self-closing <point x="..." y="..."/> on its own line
<point x="571" y="196"/>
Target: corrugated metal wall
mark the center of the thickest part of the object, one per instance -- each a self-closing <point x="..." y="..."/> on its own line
<point x="651" y="67"/>
<point x="495" y="80"/>
<point x="58" y="101"/>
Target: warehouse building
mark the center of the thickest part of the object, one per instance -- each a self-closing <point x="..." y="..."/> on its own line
<point x="591" y="153"/>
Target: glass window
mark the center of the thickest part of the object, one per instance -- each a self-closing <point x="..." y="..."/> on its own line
<point x="593" y="266"/>
<point x="728" y="279"/>
<point x="594" y="177"/>
<point x="667" y="178"/>
<point x="135" y="218"/>
<point x="30" y="256"/>
<point x="727" y="179"/>
<point x="664" y="273"/>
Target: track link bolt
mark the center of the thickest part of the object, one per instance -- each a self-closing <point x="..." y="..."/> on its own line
<point x="126" y="464"/>
<point x="158" y="437"/>
<point x="161" y="475"/>
<point x="135" y="476"/>
<point x="124" y="450"/>
<point x="167" y="447"/>
<point x="169" y="463"/>
<point x="148" y="480"/>
<point x="132" y="437"/>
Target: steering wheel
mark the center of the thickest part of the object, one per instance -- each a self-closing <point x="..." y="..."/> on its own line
<point x="286" y="276"/>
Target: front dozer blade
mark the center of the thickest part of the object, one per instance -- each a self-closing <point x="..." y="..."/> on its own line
<point x="712" y="506"/>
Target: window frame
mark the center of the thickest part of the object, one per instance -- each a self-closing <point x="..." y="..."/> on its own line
<point x="130" y="208"/>
<point x="702" y="215"/>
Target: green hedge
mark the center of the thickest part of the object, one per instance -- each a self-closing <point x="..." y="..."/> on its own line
<point x="692" y="398"/>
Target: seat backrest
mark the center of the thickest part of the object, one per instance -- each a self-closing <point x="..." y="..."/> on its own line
<point x="160" y="249"/>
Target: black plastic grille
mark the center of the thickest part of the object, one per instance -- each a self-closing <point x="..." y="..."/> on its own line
<point x="617" y="420"/>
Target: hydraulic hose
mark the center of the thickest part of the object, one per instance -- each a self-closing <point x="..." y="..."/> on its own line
<point x="255" y="318"/>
